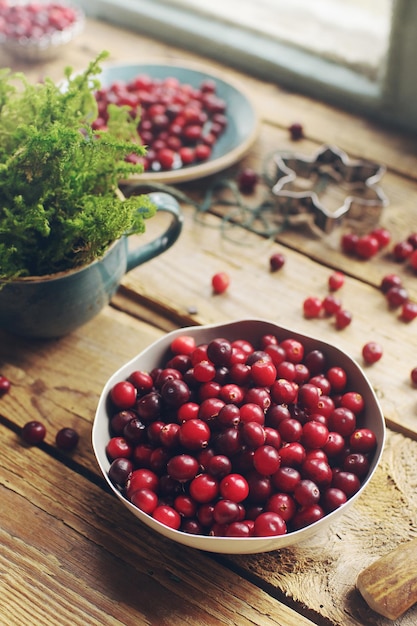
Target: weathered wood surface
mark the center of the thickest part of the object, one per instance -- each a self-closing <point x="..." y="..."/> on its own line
<point x="70" y="554"/>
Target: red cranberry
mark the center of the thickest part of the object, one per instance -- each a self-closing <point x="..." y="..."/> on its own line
<point x="33" y="432"/>
<point x="67" y="438"/>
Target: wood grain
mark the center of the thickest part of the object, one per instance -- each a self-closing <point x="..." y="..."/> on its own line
<point x="71" y="556"/>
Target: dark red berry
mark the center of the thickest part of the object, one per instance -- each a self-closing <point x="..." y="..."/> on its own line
<point x="67" y="438"/>
<point x="33" y="432"/>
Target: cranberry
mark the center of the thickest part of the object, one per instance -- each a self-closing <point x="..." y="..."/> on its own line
<point x="372" y="352"/>
<point x="123" y="395"/>
<point x="412" y="260"/>
<point x="366" y="246"/>
<point x="145" y="499"/>
<point x="348" y="243"/>
<point x="312" y="307"/>
<point x="413" y="375"/>
<point x="336" y="281"/>
<point x="182" y="467"/>
<point x="220" y="282"/>
<point x="269" y="524"/>
<point x="120" y="471"/>
<point x="390" y="280"/>
<point x="67" y="438"/>
<point x="343" y="319"/>
<point x="296" y="131"/>
<point x="332" y="499"/>
<point x="168" y="516"/>
<point x="396" y="296"/>
<point x="276" y="261"/>
<point x="33" y="432"/>
<point x="4" y="385"/>
<point x="382" y="235"/>
<point x="408" y="311"/>
<point x="402" y="250"/>
<point x="247" y="181"/>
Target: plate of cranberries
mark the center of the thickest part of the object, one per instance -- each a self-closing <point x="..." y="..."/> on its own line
<point x="192" y="122"/>
<point x="238" y="438"/>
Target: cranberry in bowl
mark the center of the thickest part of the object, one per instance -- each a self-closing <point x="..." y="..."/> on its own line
<point x="238" y="438"/>
<point x="38" y="31"/>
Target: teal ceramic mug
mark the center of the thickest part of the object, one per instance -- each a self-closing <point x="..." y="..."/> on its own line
<point x="53" y="306"/>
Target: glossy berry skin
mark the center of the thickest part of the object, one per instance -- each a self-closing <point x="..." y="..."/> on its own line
<point x="336" y="281"/>
<point x="123" y="395"/>
<point x="343" y="319"/>
<point x="312" y="307"/>
<point x="296" y="131"/>
<point x="33" y="432"/>
<point x="366" y="247"/>
<point x="247" y="181"/>
<point x="220" y="282"/>
<point x="408" y="311"/>
<point x="276" y="261"/>
<point x="372" y="352"/>
<point x="4" y="385"/>
<point x="67" y="439"/>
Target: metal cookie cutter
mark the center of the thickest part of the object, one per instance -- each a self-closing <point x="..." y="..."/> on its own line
<point x="303" y="182"/>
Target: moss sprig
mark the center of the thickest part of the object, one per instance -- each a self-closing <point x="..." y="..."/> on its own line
<point x="58" y="177"/>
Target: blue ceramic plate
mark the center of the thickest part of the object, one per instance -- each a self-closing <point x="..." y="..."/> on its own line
<point x="234" y="143"/>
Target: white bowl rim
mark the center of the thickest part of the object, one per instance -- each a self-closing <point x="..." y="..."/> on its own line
<point x="235" y="545"/>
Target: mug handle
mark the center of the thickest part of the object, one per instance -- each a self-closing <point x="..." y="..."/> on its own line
<point x="167" y="203"/>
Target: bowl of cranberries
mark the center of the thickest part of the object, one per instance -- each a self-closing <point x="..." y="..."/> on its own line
<point x="38" y="30"/>
<point x="238" y="438"/>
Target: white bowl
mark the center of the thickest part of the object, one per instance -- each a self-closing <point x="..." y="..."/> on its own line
<point x="252" y="330"/>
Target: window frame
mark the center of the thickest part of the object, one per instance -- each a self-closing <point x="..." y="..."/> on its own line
<point x="391" y="100"/>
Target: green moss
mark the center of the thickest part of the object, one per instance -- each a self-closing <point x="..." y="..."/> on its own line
<point x="58" y="207"/>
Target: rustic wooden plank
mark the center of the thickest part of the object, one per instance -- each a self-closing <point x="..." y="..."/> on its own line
<point x="180" y="281"/>
<point x="71" y="555"/>
<point x="58" y="381"/>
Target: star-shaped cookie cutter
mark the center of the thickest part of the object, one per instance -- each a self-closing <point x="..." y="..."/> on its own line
<point x="301" y="181"/>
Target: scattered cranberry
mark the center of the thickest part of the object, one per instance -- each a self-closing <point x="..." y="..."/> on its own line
<point x="33" y="432"/>
<point x="296" y="131"/>
<point x="220" y="282"/>
<point x="371" y="352"/>
<point x="4" y="385"/>
<point x="343" y="319"/>
<point x="412" y="238"/>
<point x="412" y="260"/>
<point x="336" y="281"/>
<point x="382" y="235"/>
<point x="396" y="296"/>
<point x="312" y="307"/>
<point x="367" y="246"/>
<point x="413" y="376"/>
<point x="402" y="250"/>
<point x="408" y="311"/>
<point x="247" y="181"/>
<point x="390" y="280"/>
<point x="348" y="243"/>
<point x="276" y="261"/>
<point x="275" y="441"/>
<point x="67" y="438"/>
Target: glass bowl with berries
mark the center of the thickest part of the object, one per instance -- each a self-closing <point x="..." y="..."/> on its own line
<point x="39" y="30"/>
<point x="238" y="438"/>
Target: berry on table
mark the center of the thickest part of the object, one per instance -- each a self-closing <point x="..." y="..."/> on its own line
<point x="67" y="438"/>
<point x="408" y="311"/>
<point x="296" y="131"/>
<point x="247" y="181"/>
<point x="276" y="261"/>
<point x="312" y="307"/>
<point x="33" y="432"/>
<point x="413" y="375"/>
<point x="4" y="385"/>
<point x="343" y="319"/>
<point x="372" y="352"/>
<point x="220" y="282"/>
<point x="336" y="281"/>
<point x="367" y="246"/>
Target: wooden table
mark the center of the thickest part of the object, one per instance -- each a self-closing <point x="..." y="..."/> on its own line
<point x="70" y="554"/>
